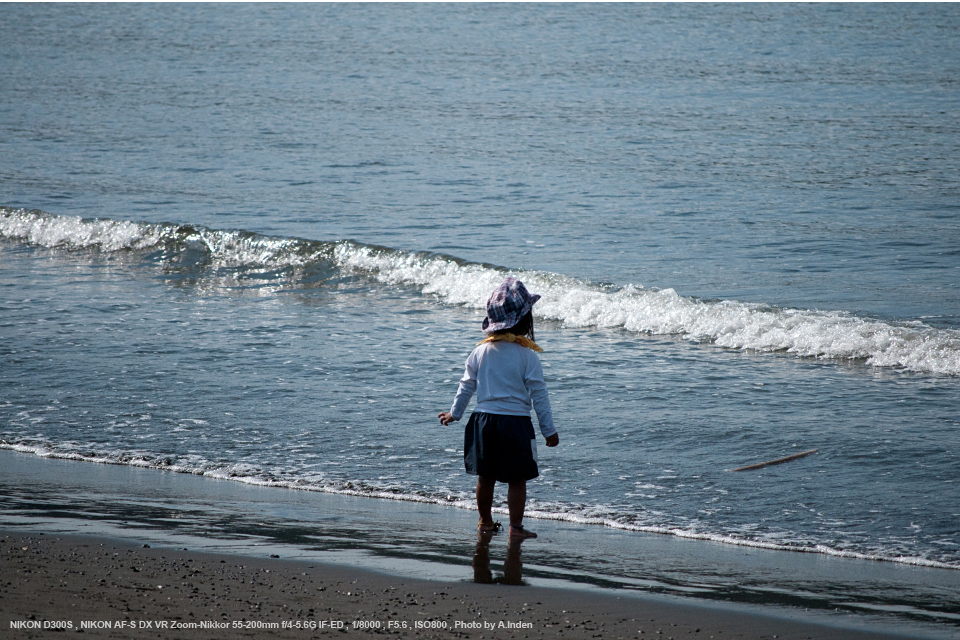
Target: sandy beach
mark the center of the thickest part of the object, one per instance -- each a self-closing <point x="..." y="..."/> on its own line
<point x="117" y="551"/>
<point x="107" y="588"/>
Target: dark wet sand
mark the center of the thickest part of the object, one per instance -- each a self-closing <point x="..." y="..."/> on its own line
<point x="46" y="580"/>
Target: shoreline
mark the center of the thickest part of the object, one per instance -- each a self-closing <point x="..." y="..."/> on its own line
<point x="67" y="513"/>
<point x="500" y="510"/>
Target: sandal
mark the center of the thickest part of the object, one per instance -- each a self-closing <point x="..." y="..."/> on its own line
<point x="517" y="531"/>
<point x="492" y="527"/>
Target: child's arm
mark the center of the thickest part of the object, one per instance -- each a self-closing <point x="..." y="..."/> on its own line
<point x="537" y="388"/>
<point x="465" y="391"/>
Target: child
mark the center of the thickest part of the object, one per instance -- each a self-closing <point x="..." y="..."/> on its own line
<point x="505" y="371"/>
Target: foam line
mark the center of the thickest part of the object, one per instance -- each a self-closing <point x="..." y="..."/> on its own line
<point x="559" y="512"/>
<point x="913" y="346"/>
<point x="910" y="345"/>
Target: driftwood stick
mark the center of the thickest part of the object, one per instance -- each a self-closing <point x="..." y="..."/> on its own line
<point x="760" y="465"/>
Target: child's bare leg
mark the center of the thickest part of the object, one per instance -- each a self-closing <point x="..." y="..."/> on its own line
<point x="485" y="488"/>
<point x="516" y="503"/>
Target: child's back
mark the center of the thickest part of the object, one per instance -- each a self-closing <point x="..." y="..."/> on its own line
<point x="507" y="379"/>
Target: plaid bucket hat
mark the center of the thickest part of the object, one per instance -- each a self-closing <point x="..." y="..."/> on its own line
<point x="507" y="305"/>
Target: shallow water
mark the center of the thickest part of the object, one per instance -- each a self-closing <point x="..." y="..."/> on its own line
<point x="254" y="242"/>
<point x="182" y="511"/>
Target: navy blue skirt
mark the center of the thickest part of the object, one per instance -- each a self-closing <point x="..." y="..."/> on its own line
<point x="500" y="447"/>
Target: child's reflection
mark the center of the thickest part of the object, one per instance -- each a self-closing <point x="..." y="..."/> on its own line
<point x="512" y="566"/>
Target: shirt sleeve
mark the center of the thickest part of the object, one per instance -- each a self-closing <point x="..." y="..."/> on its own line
<point x="468" y="385"/>
<point x="533" y="379"/>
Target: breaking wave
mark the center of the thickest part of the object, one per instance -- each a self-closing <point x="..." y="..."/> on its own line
<point x="909" y="345"/>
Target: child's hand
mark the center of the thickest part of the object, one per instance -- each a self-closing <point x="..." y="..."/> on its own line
<point x="446" y="418"/>
<point x="553" y="440"/>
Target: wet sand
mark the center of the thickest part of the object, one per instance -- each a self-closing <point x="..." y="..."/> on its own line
<point x="116" y="589"/>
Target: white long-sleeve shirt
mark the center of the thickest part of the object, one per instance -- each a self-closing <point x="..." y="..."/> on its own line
<point x="508" y="379"/>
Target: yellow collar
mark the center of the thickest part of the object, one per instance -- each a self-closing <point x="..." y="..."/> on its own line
<point x="509" y="337"/>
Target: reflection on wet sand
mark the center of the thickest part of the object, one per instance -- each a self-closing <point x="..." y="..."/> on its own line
<point x="512" y="566"/>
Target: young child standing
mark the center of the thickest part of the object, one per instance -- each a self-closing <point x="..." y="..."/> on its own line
<point x="499" y="443"/>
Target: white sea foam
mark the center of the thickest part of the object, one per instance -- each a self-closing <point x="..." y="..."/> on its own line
<point x="913" y="346"/>
<point x="74" y="232"/>
<point x="821" y="334"/>
<point x="578" y="514"/>
<point x="237" y="249"/>
<point x="240" y="249"/>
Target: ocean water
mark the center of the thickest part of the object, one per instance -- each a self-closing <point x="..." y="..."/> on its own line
<point x="254" y="242"/>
